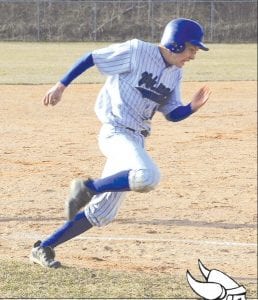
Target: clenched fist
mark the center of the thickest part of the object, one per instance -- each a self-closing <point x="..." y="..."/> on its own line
<point x="54" y="95"/>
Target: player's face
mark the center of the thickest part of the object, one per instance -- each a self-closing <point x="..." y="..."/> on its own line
<point x="179" y="59"/>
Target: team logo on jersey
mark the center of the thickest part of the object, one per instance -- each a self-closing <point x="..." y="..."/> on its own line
<point x="217" y="285"/>
<point x="149" y="88"/>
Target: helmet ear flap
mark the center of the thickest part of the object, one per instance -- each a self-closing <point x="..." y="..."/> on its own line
<point x="175" y="47"/>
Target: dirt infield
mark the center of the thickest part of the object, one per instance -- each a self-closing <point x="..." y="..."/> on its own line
<point x="204" y="208"/>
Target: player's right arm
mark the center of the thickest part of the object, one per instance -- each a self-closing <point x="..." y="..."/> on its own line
<point x="109" y="61"/>
<point x="54" y="95"/>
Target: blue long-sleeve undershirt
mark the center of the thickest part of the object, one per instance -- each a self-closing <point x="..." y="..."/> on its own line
<point x="81" y="65"/>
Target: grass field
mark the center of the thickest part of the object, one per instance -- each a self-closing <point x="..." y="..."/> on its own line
<point x="39" y="63"/>
<point x="83" y="283"/>
<point x="20" y="280"/>
<point x="43" y="63"/>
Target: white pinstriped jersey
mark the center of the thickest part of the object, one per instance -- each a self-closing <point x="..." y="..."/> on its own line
<point x="139" y="83"/>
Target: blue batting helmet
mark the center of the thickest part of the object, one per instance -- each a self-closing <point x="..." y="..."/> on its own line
<point x="180" y="31"/>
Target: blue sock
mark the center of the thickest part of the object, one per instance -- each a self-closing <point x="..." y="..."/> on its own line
<point x="115" y="183"/>
<point x="68" y="231"/>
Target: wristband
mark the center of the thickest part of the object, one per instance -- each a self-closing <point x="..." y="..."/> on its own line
<point x="180" y="113"/>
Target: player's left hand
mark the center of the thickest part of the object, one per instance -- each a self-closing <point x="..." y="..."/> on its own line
<point x="200" y="98"/>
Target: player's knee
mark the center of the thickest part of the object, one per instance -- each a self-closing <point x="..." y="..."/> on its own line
<point x="143" y="180"/>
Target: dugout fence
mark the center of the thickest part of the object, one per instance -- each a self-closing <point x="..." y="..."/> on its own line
<point x="72" y="20"/>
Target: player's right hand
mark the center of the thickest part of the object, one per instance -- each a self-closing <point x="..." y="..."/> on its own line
<point x="200" y="98"/>
<point x="54" y="95"/>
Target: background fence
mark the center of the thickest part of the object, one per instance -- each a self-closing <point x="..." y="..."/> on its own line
<point x="41" y="20"/>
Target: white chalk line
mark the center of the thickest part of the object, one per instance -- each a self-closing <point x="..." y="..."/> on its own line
<point x="35" y="236"/>
<point x="184" y="241"/>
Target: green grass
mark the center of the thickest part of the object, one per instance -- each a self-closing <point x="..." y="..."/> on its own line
<point x="20" y="280"/>
<point x="41" y="63"/>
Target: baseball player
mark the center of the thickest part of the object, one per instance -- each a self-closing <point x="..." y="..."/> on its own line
<point x="142" y="79"/>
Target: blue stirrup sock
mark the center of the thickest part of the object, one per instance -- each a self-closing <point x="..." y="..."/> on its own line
<point x="68" y="231"/>
<point x="80" y="224"/>
<point x="114" y="183"/>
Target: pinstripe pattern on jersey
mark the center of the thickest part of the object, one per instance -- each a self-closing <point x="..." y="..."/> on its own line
<point x="114" y="59"/>
<point x="120" y="103"/>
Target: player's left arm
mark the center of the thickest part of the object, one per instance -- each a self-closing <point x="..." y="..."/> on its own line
<point x="182" y="112"/>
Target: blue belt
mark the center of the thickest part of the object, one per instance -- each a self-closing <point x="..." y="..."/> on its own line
<point x="145" y="133"/>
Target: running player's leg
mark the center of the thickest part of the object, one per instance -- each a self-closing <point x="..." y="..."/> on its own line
<point x="127" y="158"/>
<point x="103" y="209"/>
<point x="123" y="152"/>
<point x="142" y="176"/>
<point x="128" y="168"/>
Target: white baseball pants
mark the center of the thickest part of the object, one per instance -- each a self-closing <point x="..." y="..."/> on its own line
<point x="124" y="150"/>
